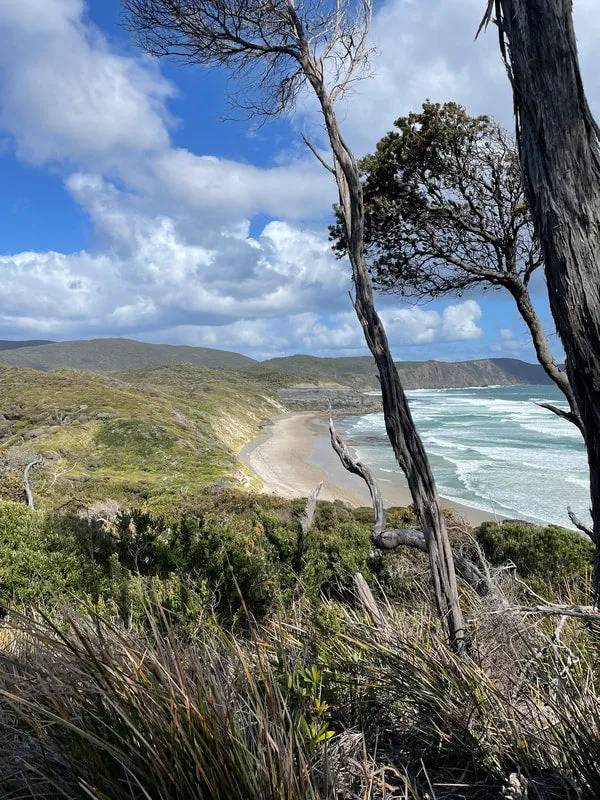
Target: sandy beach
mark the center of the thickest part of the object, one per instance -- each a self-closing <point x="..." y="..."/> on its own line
<point x="292" y="455"/>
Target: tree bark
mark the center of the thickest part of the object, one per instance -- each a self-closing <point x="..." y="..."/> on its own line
<point x="402" y="433"/>
<point x="529" y="315"/>
<point x="558" y="143"/>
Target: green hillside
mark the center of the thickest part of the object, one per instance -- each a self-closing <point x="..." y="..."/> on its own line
<point x="361" y="373"/>
<point x="145" y="436"/>
<point x="111" y="355"/>
<point x="116" y="355"/>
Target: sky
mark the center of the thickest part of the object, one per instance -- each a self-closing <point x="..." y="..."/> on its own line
<point x="134" y="204"/>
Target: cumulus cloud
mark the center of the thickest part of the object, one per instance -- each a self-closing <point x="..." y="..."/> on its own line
<point x="459" y="322"/>
<point x="324" y="334"/>
<point x="65" y="95"/>
<point x="177" y="251"/>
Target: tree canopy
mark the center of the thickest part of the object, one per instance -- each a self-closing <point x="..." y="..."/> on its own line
<point x="445" y="206"/>
<point x="445" y="211"/>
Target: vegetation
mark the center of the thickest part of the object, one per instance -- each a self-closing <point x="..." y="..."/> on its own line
<point x="232" y="544"/>
<point x="152" y="437"/>
<point x="195" y="661"/>
<point x="361" y="373"/>
<point x="111" y="355"/>
<point x="554" y="556"/>
<point x="10" y="344"/>
<point x="128" y="360"/>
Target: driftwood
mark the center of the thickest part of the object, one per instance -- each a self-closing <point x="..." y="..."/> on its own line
<point x="391" y="539"/>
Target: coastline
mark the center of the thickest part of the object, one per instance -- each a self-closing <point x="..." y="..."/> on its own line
<point x="292" y="455"/>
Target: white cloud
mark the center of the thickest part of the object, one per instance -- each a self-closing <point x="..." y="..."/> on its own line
<point x="459" y="322"/>
<point x="173" y="250"/>
<point x="66" y="96"/>
<point x="426" y="49"/>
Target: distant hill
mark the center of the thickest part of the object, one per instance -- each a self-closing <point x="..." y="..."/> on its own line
<point x="6" y="344"/>
<point x="360" y="373"/>
<point x="112" y="355"/>
<point x="116" y="355"/>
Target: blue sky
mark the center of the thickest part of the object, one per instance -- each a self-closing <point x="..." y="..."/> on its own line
<point x="132" y="208"/>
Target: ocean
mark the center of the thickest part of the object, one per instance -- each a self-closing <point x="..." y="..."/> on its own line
<point x="490" y="448"/>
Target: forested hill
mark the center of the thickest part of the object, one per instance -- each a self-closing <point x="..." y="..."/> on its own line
<point x="7" y="344"/>
<point x="113" y="355"/>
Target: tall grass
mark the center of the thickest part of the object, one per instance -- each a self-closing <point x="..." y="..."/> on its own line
<point x="312" y="705"/>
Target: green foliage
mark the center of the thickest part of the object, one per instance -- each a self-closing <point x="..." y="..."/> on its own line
<point x="150" y="436"/>
<point x="247" y="551"/>
<point x="445" y="206"/>
<point x="37" y="562"/>
<point x="551" y="554"/>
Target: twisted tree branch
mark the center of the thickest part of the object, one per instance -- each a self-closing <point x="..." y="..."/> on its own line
<point x="390" y="539"/>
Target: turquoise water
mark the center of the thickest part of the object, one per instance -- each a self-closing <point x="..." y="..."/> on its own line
<point x="491" y="448"/>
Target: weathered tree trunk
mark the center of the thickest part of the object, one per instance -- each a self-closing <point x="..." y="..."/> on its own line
<point x="558" y="143"/>
<point x="527" y="311"/>
<point x="402" y="433"/>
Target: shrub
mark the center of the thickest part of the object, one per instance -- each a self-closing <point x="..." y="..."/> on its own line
<point x="553" y="555"/>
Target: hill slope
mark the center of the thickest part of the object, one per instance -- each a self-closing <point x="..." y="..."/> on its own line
<point x="149" y="435"/>
<point x="9" y="344"/>
<point x="115" y="355"/>
<point x="360" y="373"/>
<point x="111" y="355"/>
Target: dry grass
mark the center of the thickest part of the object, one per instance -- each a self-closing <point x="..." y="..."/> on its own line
<point x="309" y="706"/>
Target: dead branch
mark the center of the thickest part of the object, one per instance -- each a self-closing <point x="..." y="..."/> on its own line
<point x="390" y="539"/>
<point x="368" y="602"/>
<point x="57" y="475"/>
<point x="317" y="155"/>
<point x="27" y="483"/>
<point x="554" y="609"/>
<point x="580" y="525"/>
<point x="308" y="515"/>
<point x="568" y="415"/>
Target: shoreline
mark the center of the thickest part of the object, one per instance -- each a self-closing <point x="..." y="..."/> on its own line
<point x="293" y="454"/>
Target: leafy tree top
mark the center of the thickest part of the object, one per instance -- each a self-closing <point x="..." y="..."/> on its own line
<point x="445" y="206"/>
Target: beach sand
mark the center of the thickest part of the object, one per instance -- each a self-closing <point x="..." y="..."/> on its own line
<point x="293" y="454"/>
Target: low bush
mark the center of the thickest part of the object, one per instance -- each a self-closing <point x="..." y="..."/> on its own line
<point x="230" y="543"/>
<point x="551" y="555"/>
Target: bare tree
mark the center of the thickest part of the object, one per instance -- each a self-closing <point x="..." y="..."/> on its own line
<point x="445" y="212"/>
<point x="276" y="48"/>
<point x="558" y="143"/>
